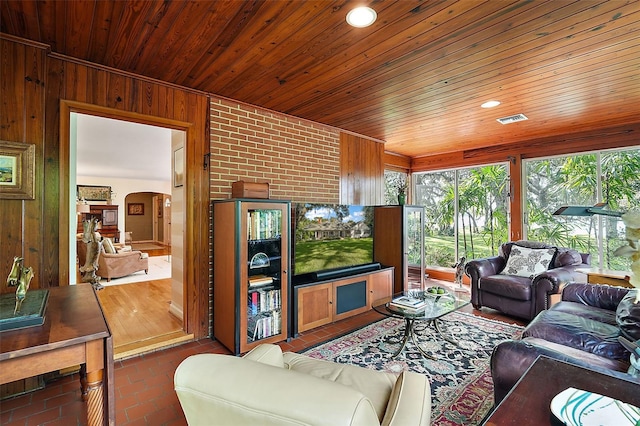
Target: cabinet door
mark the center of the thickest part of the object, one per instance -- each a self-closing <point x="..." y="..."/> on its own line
<point x="380" y="287"/>
<point x="110" y="217"/>
<point x="350" y="297"/>
<point x="264" y="280"/>
<point x="315" y="306"/>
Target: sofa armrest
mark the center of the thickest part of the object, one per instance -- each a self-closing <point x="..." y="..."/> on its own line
<point x="121" y="255"/>
<point x="478" y="268"/>
<point x="485" y="267"/>
<point x="410" y="401"/>
<point x="267" y="353"/>
<point x="561" y="276"/>
<point x="597" y="295"/>
<point x="511" y="359"/>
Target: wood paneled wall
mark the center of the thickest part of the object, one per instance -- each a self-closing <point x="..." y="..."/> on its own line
<point x="612" y="137"/>
<point x="41" y="90"/>
<point x="397" y="162"/>
<point x="22" y="119"/>
<point x="361" y="170"/>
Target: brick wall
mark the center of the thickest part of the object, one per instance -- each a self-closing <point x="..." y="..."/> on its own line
<point x="299" y="159"/>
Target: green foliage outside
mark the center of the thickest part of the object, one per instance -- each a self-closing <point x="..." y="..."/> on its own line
<point x="573" y="180"/>
<point x="439" y="250"/>
<point x="481" y="212"/>
<point x="326" y="254"/>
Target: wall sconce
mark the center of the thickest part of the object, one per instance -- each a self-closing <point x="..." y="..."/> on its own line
<point x="167" y="203"/>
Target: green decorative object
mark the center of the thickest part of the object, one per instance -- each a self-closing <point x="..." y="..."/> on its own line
<point x="31" y="312"/>
<point x="401" y="185"/>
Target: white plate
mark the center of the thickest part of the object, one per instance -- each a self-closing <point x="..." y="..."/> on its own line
<point x="576" y="407"/>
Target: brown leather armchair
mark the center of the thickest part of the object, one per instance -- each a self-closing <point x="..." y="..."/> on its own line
<point x="519" y="296"/>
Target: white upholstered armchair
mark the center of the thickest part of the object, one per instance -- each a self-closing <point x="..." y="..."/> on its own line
<point x="267" y="387"/>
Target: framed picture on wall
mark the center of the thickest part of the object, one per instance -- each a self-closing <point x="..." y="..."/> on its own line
<point x="17" y="166"/>
<point x="135" y="209"/>
<point x="93" y="192"/>
<point x="110" y="217"/>
<point x="178" y="167"/>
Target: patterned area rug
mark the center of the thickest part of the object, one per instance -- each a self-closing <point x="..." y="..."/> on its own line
<point x="146" y="246"/>
<point x="461" y="386"/>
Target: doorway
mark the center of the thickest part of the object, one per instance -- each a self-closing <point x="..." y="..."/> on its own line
<point x="133" y="160"/>
<point x="153" y="225"/>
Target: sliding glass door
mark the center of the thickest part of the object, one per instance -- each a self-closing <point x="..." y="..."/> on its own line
<point x="466" y="212"/>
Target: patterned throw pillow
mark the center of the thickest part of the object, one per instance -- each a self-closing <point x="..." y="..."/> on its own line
<point x="528" y="262"/>
<point x="108" y="246"/>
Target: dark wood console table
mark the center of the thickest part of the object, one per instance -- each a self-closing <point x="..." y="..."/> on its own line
<point x="74" y="332"/>
<point x="529" y="402"/>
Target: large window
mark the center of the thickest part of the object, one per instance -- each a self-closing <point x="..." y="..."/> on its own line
<point x="465" y="212"/>
<point x="583" y="180"/>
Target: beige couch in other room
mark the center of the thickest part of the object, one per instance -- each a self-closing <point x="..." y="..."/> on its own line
<point x="117" y="263"/>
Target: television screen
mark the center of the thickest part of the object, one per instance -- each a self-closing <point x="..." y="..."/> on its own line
<point x="329" y="236"/>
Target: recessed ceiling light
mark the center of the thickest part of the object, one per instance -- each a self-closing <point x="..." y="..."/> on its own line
<point x="361" y="17"/>
<point x="490" y="104"/>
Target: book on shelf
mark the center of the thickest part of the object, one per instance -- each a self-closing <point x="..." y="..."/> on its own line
<point x="263" y="224"/>
<point x="408" y="303"/>
<point x="266" y="326"/>
<point x="258" y="280"/>
<point x="264" y="301"/>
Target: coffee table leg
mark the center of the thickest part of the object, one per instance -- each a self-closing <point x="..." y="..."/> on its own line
<point x="408" y="330"/>
<point x="415" y="342"/>
<point x="443" y="335"/>
<point x="410" y="333"/>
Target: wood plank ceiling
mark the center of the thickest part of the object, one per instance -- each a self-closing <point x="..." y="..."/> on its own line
<point x="414" y="79"/>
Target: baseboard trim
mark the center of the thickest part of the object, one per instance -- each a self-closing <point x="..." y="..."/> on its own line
<point x="176" y="311"/>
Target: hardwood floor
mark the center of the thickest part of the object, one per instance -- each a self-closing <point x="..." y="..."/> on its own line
<point x="139" y="318"/>
<point x="154" y="252"/>
<point x="138" y="315"/>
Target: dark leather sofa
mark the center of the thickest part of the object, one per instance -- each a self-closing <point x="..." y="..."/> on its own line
<point x="581" y="329"/>
<point x="523" y="297"/>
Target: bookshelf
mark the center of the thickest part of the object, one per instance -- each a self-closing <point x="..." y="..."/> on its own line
<point x="250" y="272"/>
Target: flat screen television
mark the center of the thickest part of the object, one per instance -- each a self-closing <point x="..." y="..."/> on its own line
<point x="330" y="237"/>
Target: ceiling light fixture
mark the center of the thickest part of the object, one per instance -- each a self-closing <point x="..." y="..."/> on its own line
<point x="490" y="104"/>
<point x="361" y="17"/>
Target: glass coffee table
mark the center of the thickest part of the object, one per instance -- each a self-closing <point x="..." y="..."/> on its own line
<point x="435" y="307"/>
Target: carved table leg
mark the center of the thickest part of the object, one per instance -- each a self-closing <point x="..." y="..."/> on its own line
<point x="91" y="382"/>
<point x="92" y="394"/>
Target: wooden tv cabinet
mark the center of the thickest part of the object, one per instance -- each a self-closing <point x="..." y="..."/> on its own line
<point x="323" y="302"/>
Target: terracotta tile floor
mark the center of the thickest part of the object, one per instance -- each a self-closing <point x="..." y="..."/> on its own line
<point x="144" y="384"/>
